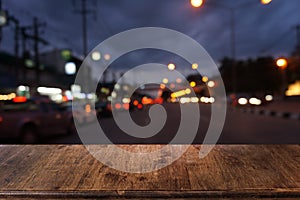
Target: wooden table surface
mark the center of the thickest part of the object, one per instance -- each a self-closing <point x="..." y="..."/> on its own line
<point x="229" y="171"/>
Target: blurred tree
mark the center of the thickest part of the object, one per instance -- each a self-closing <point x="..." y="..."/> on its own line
<point x="253" y="76"/>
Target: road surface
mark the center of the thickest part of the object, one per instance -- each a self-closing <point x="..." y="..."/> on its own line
<point x="239" y="128"/>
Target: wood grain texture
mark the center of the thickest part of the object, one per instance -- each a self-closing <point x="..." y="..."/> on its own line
<point x="231" y="171"/>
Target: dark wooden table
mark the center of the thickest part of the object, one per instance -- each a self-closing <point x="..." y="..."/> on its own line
<point x="229" y="171"/>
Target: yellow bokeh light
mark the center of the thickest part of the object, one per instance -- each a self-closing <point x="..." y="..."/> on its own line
<point x="195" y="66"/>
<point x="188" y="91"/>
<point x="171" y="66"/>
<point x="204" y="79"/>
<point x="193" y="84"/>
<point x="265" y="2"/>
<point x="165" y="81"/>
<point x="196" y="3"/>
<point x="293" y="89"/>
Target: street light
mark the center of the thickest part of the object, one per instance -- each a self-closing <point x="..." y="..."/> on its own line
<point x="282" y="64"/>
<point x="199" y="3"/>
<point x="196" y="3"/>
<point x="265" y="2"/>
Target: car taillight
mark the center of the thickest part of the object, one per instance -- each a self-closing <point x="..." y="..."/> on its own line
<point x="126" y="106"/>
<point x="139" y="106"/>
<point x="19" y="99"/>
<point x="118" y="106"/>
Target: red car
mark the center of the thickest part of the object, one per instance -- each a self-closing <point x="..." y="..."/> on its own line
<point x="28" y="120"/>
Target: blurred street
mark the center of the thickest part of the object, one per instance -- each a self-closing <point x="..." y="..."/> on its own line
<point x="54" y="70"/>
<point x="240" y="128"/>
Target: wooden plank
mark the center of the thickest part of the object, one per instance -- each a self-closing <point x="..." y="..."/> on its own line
<point x="69" y="171"/>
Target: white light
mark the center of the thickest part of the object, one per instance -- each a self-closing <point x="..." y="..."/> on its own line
<point x="184" y="100"/>
<point x="70" y="68"/>
<point x="57" y="98"/>
<point x="242" y="101"/>
<point x="22" y="88"/>
<point x="211" y="84"/>
<point x="90" y="96"/>
<point x="254" y="101"/>
<point x="3" y="18"/>
<point x="207" y="99"/>
<point x="75" y="88"/>
<point x="96" y="56"/>
<point x="269" y="97"/>
<point x="114" y="94"/>
<point x="79" y="95"/>
<point x="69" y="95"/>
<point x="45" y="90"/>
<point x="171" y="66"/>
<point x="194" y="100"/>
<point x="117" y="86"/>
<point x="126" y="100"/>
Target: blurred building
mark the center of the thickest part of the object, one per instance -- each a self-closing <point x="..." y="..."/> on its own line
<point x="52" y="72"/>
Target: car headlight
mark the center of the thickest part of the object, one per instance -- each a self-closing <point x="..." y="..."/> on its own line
<point x="242" y="101"/>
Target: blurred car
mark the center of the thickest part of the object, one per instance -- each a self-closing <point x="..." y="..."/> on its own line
<point x="244" y="99"/>
<point x="82" y="113"/>
<point x="103" y="109"/>
<point x="28" y="120"/>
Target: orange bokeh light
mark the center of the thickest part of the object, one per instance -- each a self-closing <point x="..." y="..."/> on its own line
<point x="281" y="63"/>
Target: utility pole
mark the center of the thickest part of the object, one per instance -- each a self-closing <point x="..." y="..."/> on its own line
<point x="84" y="12"/>
<point x="36" y="50"/>
<point x="233" y="51"/>
<point x="24" y="49"/>
<point x="36" y="40"/>
<point x="17" y="43"/>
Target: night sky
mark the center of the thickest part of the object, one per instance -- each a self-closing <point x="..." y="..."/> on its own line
<point x="260" y="29"/>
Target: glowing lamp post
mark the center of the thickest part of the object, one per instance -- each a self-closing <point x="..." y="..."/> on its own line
<point x="196" y="3"/>
<point x="282" y="64"/>
<point x="265" y="2"/>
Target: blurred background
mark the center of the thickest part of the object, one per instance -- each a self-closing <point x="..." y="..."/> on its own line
<point x="255" y="44"/>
